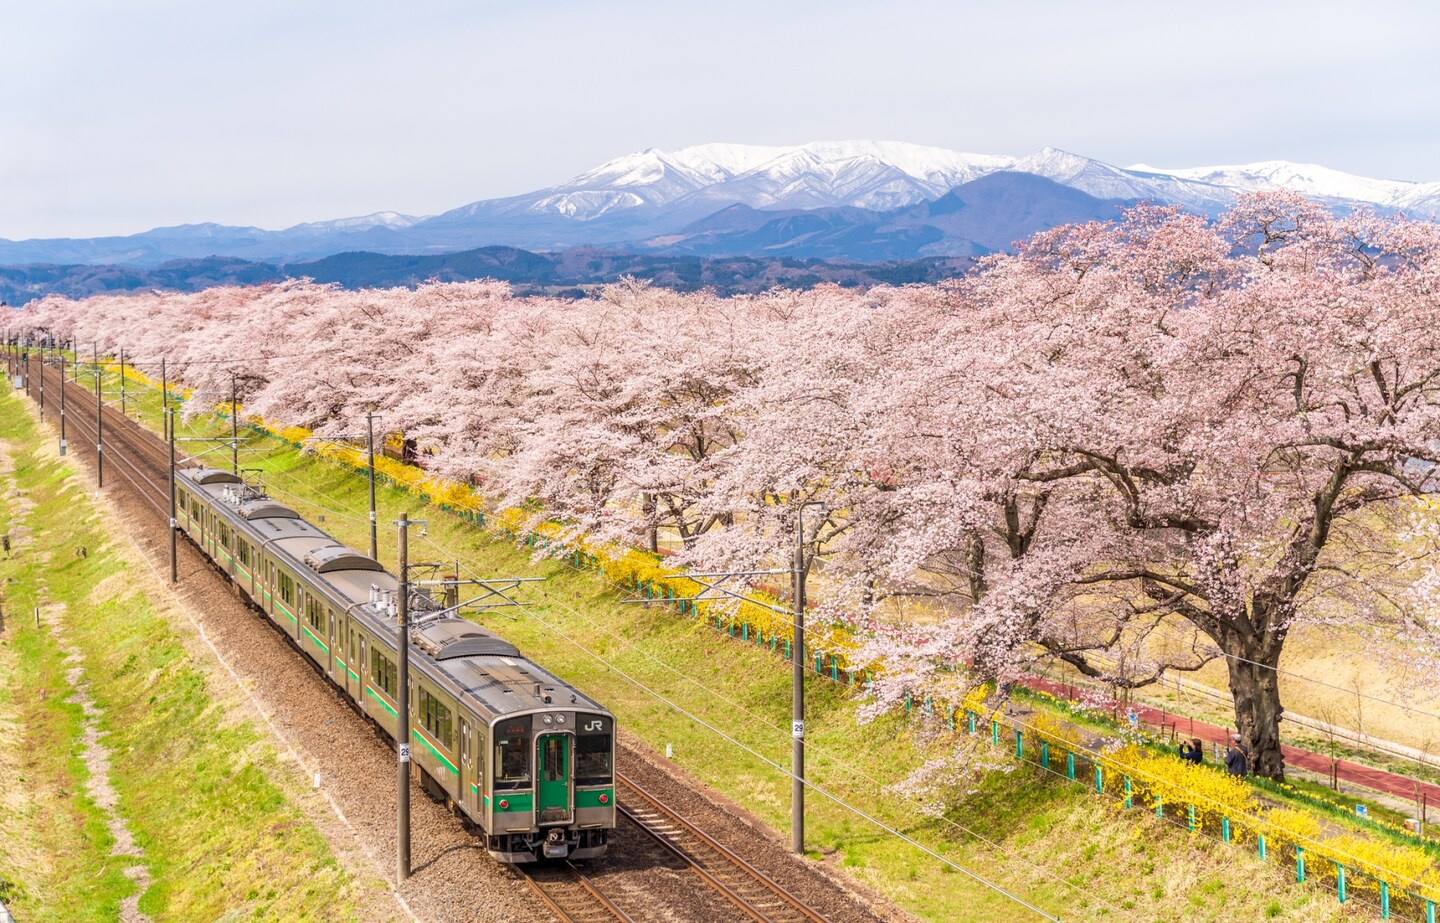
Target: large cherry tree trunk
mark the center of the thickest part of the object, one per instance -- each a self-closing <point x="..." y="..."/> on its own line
<point x="1255" y="687"/>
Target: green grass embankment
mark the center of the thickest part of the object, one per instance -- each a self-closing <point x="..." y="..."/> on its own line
<point x="1045" y="839"/>
<point x="197" y="784"/>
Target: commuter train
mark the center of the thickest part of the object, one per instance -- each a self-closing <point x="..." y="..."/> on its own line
<point x="523" y="755"/>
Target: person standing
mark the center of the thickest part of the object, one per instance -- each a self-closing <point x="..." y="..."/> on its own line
<point x="1237" y="761"/>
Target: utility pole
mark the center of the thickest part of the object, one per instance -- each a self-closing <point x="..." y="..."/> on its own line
<point x="99" y="432"/>
<point x="797" y="689"/>
<point x="164" y="389"/>
<point x="170" y="434"/>
<point x="234" y="429"/>
<point x="370" y="443"/>
<point x="42" y="381"/>
<point x="402" y="698"/>
<point x="122" y="383"/>
<point x="797" y="695"/>
<point x="62" y="405"/>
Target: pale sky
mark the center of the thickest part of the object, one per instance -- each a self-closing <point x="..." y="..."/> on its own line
<point x="116" y="117"/>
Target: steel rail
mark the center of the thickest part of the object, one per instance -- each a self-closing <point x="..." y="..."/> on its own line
<point x="552" y="897"/>
<point x="768" y="884"/>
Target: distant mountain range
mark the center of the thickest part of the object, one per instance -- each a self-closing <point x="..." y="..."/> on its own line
<point x="852" y="202"/>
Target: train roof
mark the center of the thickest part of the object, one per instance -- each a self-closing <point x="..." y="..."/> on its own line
<point x="475" y="661"/>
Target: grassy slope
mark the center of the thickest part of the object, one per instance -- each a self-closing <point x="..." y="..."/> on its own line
<point x="196" y="785"/>
<point x="1054" y="844"/>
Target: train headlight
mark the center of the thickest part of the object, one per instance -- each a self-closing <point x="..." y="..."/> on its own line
<point x="547" y="719"/>
<point x="559" y="719"/>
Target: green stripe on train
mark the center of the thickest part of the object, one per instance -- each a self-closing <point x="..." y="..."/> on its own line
<point x="433" y="749"/>
<point x="520" y="801"/>
<point x="591" y="799"/>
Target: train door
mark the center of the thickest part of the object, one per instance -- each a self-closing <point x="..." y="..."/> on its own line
<point x="466" y="794"/>
<point x="552" y="779"/>
<point x="330" y="660"/>
<point x="360" y="668"/>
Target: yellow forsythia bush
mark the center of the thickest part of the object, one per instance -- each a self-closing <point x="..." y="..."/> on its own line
<point x="1213" y="793"/>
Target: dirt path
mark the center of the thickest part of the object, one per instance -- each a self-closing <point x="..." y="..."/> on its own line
<point x="94" y="753"/>
<point x="97" y="761"/>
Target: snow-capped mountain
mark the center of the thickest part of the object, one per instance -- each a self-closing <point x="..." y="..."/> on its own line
<point x="654" y="199"/>
<point x="862" y="174"/>
<point x="1315" y="181"/>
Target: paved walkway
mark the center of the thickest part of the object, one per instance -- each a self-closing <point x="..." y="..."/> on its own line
<point x="1369" y="777"/>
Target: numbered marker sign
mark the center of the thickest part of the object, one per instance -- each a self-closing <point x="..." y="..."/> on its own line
<point x="797" y="730"/>
<point x="404" y="753"/>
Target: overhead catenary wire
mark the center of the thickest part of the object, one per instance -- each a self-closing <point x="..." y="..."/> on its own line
<point x="1086" y="751"/>
<point x="740" y="744"/>
<point x="354" y="515"/>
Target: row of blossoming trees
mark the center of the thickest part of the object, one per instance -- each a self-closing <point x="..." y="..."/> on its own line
<point x="1133" y="446"/>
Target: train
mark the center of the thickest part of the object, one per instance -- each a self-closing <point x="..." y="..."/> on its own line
<point x="524" y="756"/>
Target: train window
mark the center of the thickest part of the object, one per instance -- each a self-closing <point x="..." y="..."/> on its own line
<point x="314" y="613"/>
<point x="593" y="750"/>
<point x="242" y="551"/>
<point x="435" y="718"/>
<point x="383" y="672"/>
<point x="512" y="753"/>
<point x="554" y="761"/>
<point x="287" y="588"/>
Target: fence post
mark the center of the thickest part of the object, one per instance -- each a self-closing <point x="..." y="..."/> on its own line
<point x="1225" y="829"/>
<point x="1340" y="882"/>
<point x="787" y="650"/>
<point x="950" y="715"/>
<point x="1192" y="818"/>
<point x="745" y="632"/>
<point x="994" y="733"/>
<point x="970" y="720"/>
<point x="1019" y="746"/>
<point x="1260" y="844"/>
<point x="1099" y="782"/>
<point x="1070" y="766"/>
<point x="1384" y="900"/>
<point x="1045" y="754"/>
<point x="834" y="669"/>
<point x="929" y="707"/>
<point x="1159" y="806"/>
<point x="1429" y="912"/>
<point x="1299" y="864"/>
<point x="1129" y="795"/>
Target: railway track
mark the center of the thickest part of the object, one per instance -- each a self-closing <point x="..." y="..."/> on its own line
<point x="140" y="458"/>
<point x="571" y="895"/>
<point x="755" y="895"/>
<point x="131" y="452"/>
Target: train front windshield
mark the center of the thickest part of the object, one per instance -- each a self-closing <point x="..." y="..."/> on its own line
<point x="512" y="753"/>
<point x="594" y="743"/>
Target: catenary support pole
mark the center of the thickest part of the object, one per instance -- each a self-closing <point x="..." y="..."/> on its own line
<point x="41" y="367"/>
<point x="370" y="448"/>
<point x="99" y="432"/>
<point x="164" y="389"/>
<point x="170" y="434"/>
<point x="797" y="694"/>
<point x="234" y="430"/>
<point x="402" y="699"/>
<point x="124" y="411"/>
<point x="63" y="444"/>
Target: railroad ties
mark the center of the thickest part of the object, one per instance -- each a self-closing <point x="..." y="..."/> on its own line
<point x="571" y="895"/>
<point x="754" y="894"/>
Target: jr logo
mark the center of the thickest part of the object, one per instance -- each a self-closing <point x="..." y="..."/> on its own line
<point x="597" y="725"/>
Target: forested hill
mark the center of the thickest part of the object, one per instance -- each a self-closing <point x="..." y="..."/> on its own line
<point x="569" y="271"/>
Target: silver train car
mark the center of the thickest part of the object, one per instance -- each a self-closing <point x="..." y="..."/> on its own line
<point x="523" y="755"/>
